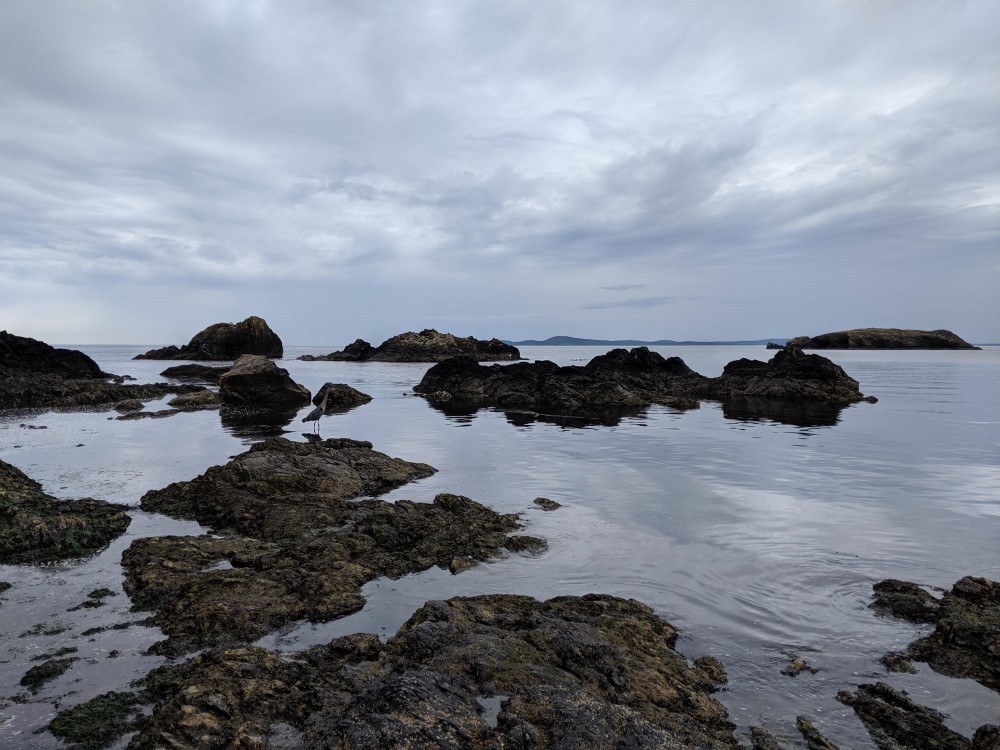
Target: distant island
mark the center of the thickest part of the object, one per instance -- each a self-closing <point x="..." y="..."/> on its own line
<point x="883" y="338"/>
<point x="572" y="341"/>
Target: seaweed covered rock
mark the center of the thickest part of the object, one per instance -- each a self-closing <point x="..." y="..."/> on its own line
<point x="966" y="637"/>
<point x="630" y="379"/>
<point x="36" y="526"/>
<point x="225" y="341"/>
<point x="426" y="346"/>
<point x="255" y="381"/>
<point x="883" y="338"/>
<point x="301" y="545"/>
<point x="480" y="672"/>
<point x="36" y="375"/>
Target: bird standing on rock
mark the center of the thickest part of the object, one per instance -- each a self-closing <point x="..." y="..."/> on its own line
<point x="318" y="412"/>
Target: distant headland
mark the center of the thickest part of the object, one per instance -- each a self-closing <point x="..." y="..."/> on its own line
<point x="883" y="338"/>
<point x="572" y="341"/>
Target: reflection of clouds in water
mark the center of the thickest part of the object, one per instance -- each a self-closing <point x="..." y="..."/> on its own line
<point x="970" y="490"/>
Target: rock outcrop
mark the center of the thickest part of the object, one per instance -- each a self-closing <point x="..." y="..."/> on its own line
<point x="35" y="375"/>
<point x="483" y="673"/>
<point x="634" y="379"/>
<point x="882" y="338"/>
<point x="966" y="637"/>
<point x="195" y="373"/>
<point x="297" y="544"/>
<point x="35" y="526"/>
<point x="340" y="397"/>
<point x="426" y="346"/>
<point x="255" y="381"/>
<point x="225" y="341"/>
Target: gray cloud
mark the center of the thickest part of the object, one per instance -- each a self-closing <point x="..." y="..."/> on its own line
<point x="835" y="164"/>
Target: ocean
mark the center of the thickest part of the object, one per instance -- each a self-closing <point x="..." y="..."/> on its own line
<point x="758" y="538"/>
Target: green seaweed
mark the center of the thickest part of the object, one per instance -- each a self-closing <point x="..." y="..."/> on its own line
<point x="47" y="671"/>
<point x="98" y="722"/>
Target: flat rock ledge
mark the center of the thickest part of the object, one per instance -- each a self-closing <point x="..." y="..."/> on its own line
<point x="35" y="526"/>
<point x="966" y="637"/>
<point x="426" y="346"/>
<point x="486" y="672"/>
<point x="34" y="375"/>
<point x="225" y="342"/>
<point x="297" y="544"/>
<point x="883" y="338"/>
<point x="624" y="379"/>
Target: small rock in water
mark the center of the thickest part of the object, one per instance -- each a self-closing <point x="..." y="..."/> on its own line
<point x="797" y="666"/>
<point x="545" y="504"/>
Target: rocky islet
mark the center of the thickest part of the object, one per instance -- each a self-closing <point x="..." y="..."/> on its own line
<point x="426" y="346"/>
<point x="225" y="342"/>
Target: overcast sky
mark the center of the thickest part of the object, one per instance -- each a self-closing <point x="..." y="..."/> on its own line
<point x="695" y="170"/>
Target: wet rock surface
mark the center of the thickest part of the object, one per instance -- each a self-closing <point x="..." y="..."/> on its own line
<point x="35" y="526"/>
<point x="36" y="375"/>
<point x="635" y="379"/>
<point x="883" y="338"/>
<point x="225" y="341"/>
<point x="572" y="672"/>
<point x="300" y="545"/>
<point x="897" y="723"/>
<point x="426" y="346"/>
<point x="196" y="400"/>
<point x="255" y="381"/>
<point x="966" y="637"/>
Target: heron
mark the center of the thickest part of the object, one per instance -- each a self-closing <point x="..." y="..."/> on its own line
<point x="318" y="412"/>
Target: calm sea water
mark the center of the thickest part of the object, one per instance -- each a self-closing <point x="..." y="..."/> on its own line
<point x="759" y="539"/>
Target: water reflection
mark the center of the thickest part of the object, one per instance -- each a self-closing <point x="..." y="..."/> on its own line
<point x="796" y="413"/>
<point x="255" y="424"/>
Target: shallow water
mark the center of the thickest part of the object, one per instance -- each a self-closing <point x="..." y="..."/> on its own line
<point x="758" y="539"/>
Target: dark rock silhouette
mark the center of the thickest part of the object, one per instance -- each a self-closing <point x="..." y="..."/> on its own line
<point x="426" y="346"/>
<point x="36" y="375"/>
<point x="882" y="338"/>
<point x="196" y="373"/>
<point x="340" y="397"/>
<point x="225" y="341"/>
<point x="35" y="526"/>
<point x="255" y="381"/>
<point x="629" y="381"/>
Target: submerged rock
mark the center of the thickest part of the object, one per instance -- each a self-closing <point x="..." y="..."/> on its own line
<point x="36" y="375"/>
<point x="883" y="338"/>
<point x="572" y="672"/>
<point x="426" y="346"/>
<point x="45" y="672"/>
<point x="966" y="637"/>
<point x="300" y="544"/>
<point x="635" y="379"/>
<point x="255" y="381"/>
<point x="225" y="341"/>
<point x="35" y="526"/>
<point x="196" y="400"/>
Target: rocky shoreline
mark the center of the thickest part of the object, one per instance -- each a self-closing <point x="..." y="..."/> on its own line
<point x="426" y="346"/>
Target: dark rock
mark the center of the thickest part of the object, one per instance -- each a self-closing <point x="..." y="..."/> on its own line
<point x="635" y="379"/>
<point x="895" y="722"/>
<point x="225" y="341"/>
<point x="94" y="599"/>
<point x="897" y="661"/>
<point x="302" y="545"/>
<point x="196" y="400"/>
<point x="814" y="740"/>
<point x="256" y="381"/>
<point x="125" y="407"/>
<point x="36" y="375"/>
<point x="197" y="373"/>
<point x="426" y="346"/>
<point x="761" y="739"/>
<point x="36" y="526"/>
<point x="341" y="397"/>
<point x="966" y="637"/>
<point x="47" y="671"/>
<point x="772" y="345"/>
<point x="545" y="504"/>
<point x="136" y="415"/>
<point x="573" y="672"/>
<point x="883" y="338"/>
